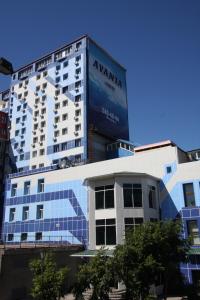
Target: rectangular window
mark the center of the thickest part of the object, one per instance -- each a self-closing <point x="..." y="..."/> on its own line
<point x="104" y="197"/>
<point x="64" y="146"/>
<point x="64" y="117"/>
<point x="40" y="186"/>
<point x="25" y="213"/>
<point x="65" y="76"/>
<point x="14" y="190"/>
<point x="64" y="131"/>
<point x="40" y="211"/>
<point x="78" y="127"/>
<point x="17" y="120"/>
<point x="27" y="186"/>
<point x="132" y="195"/>
<point x="38" y="236"/>
<point x="130" y="223"/>
<point x="24" y="236"/>
<point x="105" y="232"/>
<point x="56" y="148"/>
<point x="188" y="191"/>
<point x="42" y="152"/>
<point x="12" y="214"/>
<point x="65" y="102"/>
<point x="77" y="142"/>
<point x="193" y="231"/>
<point x="10" y="237"/>
<point x="56" y="120"/>
<point x="152" y="196"/>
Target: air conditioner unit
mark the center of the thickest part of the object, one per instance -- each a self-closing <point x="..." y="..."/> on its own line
<point x="36" y="93"/>
<point x="24" y="110"/>
<point x="55" y="97"/>
<point x="33" y="145"/>
<point x="43" y="91"/>
<point x="76" y="63"/>
<point x="34" y="132"/>
<point x="56" y="72"/>
<point x="77" y="90"/>
<point x="55" y="111"/>
<point x="35" y="105"/>
<point x="76" y="104"/>
<point x="35" y="119"/>
<point x="77" y="76"/>
<point x="76" y="50"/>
<point x="55" y="139"/>
<point x="76" y="119"/>
<point x="55" y="125"/>
<point x="41" y="130"/>
<point x="43" y="103"/>
<point x="41" y="143"/>
<point x="22" y="136"/>
<point x="76" y="133"/>
<point x="41" y="116"/>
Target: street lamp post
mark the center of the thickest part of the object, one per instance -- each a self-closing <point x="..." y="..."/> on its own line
<point x="6" y="67"/>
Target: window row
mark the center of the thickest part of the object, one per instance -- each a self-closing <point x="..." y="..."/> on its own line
<point x="132" y="196"/>
<point x="106" y="229"/>
<point x="27" y="187"/>
<point x="25" y="213"/>
<point x="24" y="237"/>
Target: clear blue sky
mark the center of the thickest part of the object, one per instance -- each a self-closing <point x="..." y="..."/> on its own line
<point x="158" y="41"/>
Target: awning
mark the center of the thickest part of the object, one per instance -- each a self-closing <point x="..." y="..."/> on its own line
<point x="92" y="253"/>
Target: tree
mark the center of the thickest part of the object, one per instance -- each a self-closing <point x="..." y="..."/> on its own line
<point x="48" y="280"/>
<point x="151" y="251"/>
<point x="98" y="274"/>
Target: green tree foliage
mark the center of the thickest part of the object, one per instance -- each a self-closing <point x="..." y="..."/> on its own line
<point x="48" y="280"/>
<point x="152" y="251"/>
<point x="98" y="274"/>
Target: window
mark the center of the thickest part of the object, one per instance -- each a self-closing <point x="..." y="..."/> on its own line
<point x="20" y="85"/>
<point x="26" y="94"/>
<point x="44" y="97"/>
<point x="24" y="118"/>
<point x="78" y="127"/>
<point x="45" y="73"/>
<point x="193" y="231"/>
<point x="43" y="124"/>
<point x="16" y="132"/>
<point x="21" y="157"/>
<point x="14" y="190"/>
<point x="64" y="131"/>
<point x="20" y="96"/>
<point x="27" y="186"/>
<point x="23" y="130"/>
<point x="56" y="148"/>
<point x="38" y="77"/>
<point x="105" y="232"/>
<point x="34" y="167"/>
<point x="77" y="113"/>
<point x="44" y="85"/>
<point x="25" y="213"/>
<point x="57" y="92"/>
<point x="57" y="105"/>
<point x="10" y="237"/>
<point x="42" y="151"/>
<point x="64" y="146"/>
<point x="188" y="191"/>
<point x="15" y="145"/>
<point x="64" y="117"/>
<point x="78" y="58"/>
<point x="17" y="120"/>
<point x="24" y="236"/>
<point x="104" y="197"/>
<point x="78" y="158"/>
<point x="35" y="139"/>
<point x="40" y="211"/>
<point x="65" y="64"/>
<point x="38" y="236"/>
<point x="65" y="89"/>
<point x="56" y="133"/>
<point x="132" y="195"/>
<point x="130" y="223"/>
<point x="152" y="196"/>
<point x="37" y="88"/>
<point x="34" y="153"/>
<point x="65" y="76"/>
<point x="78" y="71"/>
<point x="65" y="102"/>
<point x="42" y="138"/>
<point x="22" y="144"/>
<point x="12" y="214"/>
<point x="77" y="142"/>
<point x="169" y="169"/>
<point x="78" y="84"/>
<point x="57" y="119"/>
<point x="18" y="107"/>
<point x="57" y="79"/>
<point x="43" y="111"/>
<point x="35" y="126"/>
<point x="41" y="165"/>
<point x="41" y="186"/>
<point x="37" y="100"/>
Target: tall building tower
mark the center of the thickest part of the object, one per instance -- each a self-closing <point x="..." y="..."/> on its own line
<point x="67" y="105"/>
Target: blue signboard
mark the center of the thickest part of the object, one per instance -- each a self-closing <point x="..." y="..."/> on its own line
<point x="108" y="112"/>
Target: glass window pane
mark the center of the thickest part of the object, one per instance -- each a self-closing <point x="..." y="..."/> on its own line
<point x="99" y="200"/>
<point x="109" y="199"/>
<point x="128" y="202"/>
<point x="100" y="235"/>
<point x="189" y="197"/>
<point x="137" y="195"/>
<point x="110" y="235"/>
